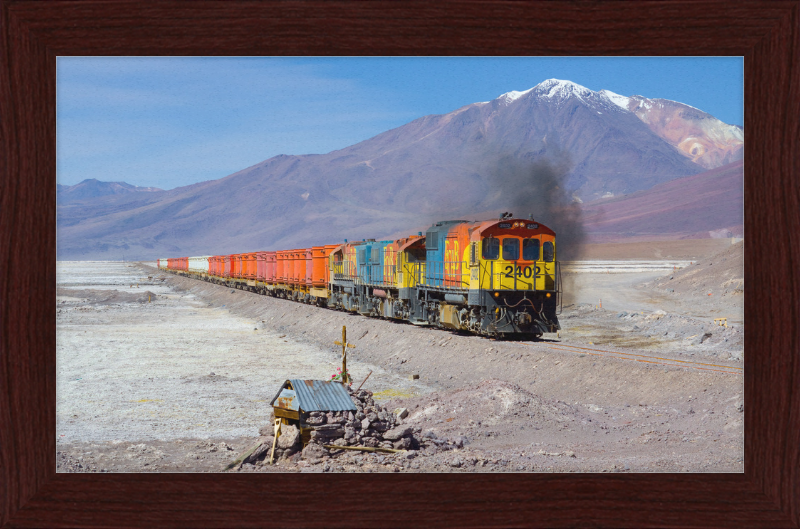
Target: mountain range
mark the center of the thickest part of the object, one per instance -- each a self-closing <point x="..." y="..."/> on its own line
<point x="534" y="152"/>
<point x="93" y="188"/>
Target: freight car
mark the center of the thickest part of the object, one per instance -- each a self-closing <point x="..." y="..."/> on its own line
<point x="496" y="277"/>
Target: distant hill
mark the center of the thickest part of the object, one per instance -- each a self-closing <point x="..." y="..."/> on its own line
<point x="529" y="152"/>
<point x="93" y="188"/>
<point x="708" y="204"/>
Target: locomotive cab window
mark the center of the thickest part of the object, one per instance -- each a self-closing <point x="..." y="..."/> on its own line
<point x="510" y="249"/>
<point x="491" y="248"/>
<point x="530" y="249"/>
<point x="548" y="250"/>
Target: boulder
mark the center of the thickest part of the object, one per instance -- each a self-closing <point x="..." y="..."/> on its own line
<point x="259" y="453"/>
<point x="701" y="338"/>
<point x="289" y="437"/>
<point x="335" y="418"/>
<point x="380" y="426"/>
<point x="287" y="453"/>
<point x="314" y="451"/>
<point x="326" y="435"/>
<point x="402" y="444"/>
<point x="328" y="427"/>
<point x="397" y="433"/>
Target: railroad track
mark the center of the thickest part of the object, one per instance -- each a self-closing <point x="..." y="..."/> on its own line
<point x="649" y="359"/>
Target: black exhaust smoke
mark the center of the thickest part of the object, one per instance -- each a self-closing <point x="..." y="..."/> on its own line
<point x="538" y="188"/>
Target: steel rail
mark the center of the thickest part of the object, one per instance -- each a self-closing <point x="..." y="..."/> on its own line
<point x="732" y="370"/>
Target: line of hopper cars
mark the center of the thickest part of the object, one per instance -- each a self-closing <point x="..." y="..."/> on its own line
<point x="495" y="277"/>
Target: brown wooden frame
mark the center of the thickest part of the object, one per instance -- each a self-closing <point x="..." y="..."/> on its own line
<point x="35" y="32"/>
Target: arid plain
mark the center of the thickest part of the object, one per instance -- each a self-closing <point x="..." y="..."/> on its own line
<point x="157" y="373"/>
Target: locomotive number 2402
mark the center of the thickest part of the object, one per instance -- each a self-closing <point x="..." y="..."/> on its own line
<point x="521" y="271"/>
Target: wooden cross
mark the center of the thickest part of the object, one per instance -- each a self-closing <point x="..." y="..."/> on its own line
<point x="345" y="345"/>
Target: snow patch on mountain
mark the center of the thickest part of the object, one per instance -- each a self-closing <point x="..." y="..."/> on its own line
<point x="620" y="101"/>
<point x="510" y="97"/>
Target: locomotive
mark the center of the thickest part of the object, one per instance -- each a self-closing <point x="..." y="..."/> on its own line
<point x="495" y="277"/>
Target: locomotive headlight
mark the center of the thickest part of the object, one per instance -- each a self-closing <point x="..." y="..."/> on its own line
<point x="548" y="294"/>
<point x="497" y="294"/>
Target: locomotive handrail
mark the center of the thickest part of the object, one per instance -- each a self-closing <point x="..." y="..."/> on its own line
<point x="344" y="270"/>
<point x="560" y="298"/>
<point x="377" y="274"/>
<point x="447" y="274"/>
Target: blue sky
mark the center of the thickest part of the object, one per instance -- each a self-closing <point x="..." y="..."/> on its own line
<point x="168" y="122"/>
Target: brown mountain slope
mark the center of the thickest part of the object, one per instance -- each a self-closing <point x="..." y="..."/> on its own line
<point x="709" y="204"/>
<point x="698" y="135"/>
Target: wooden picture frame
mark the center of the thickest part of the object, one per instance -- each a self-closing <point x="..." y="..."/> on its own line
<point x="34" y="33"/>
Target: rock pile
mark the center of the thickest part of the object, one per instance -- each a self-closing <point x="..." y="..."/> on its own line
<point x="369" y="426"/>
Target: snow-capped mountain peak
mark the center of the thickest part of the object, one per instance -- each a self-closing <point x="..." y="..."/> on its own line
<point x="698" y="135"/>
<point x="554" y="89"/>
<point x="558" y="89"/>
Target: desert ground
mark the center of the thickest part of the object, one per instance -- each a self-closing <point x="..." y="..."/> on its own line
<point x="159" y="373"/>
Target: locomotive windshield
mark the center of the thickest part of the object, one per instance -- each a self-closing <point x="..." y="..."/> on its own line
<point x="549" y="251"/>
<point x="491" y="248"/>
<point x="530" y="249"/>
<point x="510" y="249"/>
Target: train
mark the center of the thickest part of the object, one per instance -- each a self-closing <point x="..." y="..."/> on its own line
<point x="498" y="277"/>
